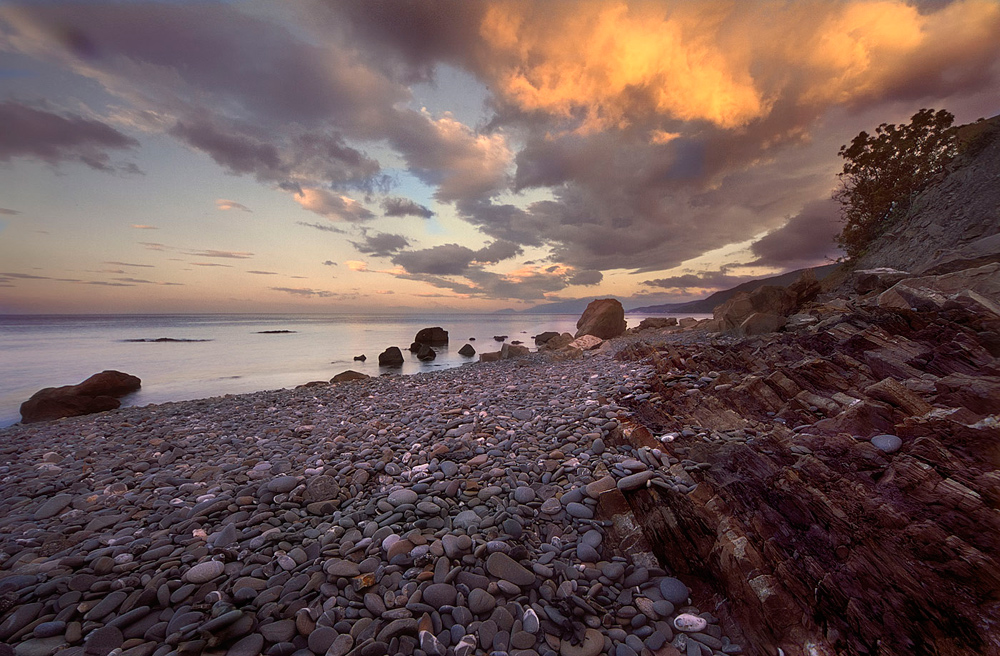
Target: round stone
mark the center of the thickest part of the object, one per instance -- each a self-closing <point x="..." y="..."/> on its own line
<point x="282" y="484"/>
<point x="399" y="497"/>
<point x="887" y="443"/>
<point x="524" y="494"/>
<point x="103" y="640"/>
<point x="204" y="572"/>
<point x="579" y="510"/>
<point x="674" y="590"/>
<point x="690" y="623"/>
<point x="481" y="601"/>
<point x="440" y="594"/>
<point x="466" y="520"/>
<point x="504" y="567"/>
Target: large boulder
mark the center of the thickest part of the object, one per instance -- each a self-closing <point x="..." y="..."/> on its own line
<point x="435" y="336"/>
<point x="98" y="393"/>
<point x="657" y="322"/>
<point x="931" y="290"/>
<point x="426" y="353"/>
<point x="468" y="351"/>
<point x="604" y="318"/>
<point x="391" y="357"/>
<point x="767" y="299"/>
<point x="557" y="342"/>
<point x="542" y="338"/>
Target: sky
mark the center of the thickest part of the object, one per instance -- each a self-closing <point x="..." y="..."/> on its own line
<point x="376" y="156"/>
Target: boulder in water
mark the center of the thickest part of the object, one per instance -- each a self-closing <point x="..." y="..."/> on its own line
<point x="425" y="353"/>
<point x="96" y="394"/>
<point x="391" y="357"/>
<point x="435" y="336"/>
<point x="467" y="351"/>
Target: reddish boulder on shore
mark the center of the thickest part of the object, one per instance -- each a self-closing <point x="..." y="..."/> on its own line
<point x="96" y="394"/>
<point x="604" y="318"/>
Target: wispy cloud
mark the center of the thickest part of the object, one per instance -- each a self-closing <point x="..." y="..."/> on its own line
<point x="224" y="205"/>
<point x="236" y="255"/>
<point x="212" y="264"/>
<point x="263" y="273"/>
<point x="396" y="206"/>
<point x="142" y="226"/>
<point x="131" y="264"/>
<point x="321" y="226"/>
<point x="6" y="212"/>
<point x="304" y="291"/>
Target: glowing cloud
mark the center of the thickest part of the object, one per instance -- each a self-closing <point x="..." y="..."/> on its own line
<point x="140" y="226"/>
<point x="333" y="206"/>
<point x="356" y="265"/>
<point x="225" y="205"/>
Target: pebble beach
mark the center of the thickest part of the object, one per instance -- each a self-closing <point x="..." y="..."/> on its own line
<point x="452" y="512"/>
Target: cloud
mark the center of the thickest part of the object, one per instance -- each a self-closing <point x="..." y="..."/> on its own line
<point x="381" y="244"/>
<point x="236" y="255"/>
<point x="807" y="237"/>
<point x="54" y="138"/>
<point x="263" y="273"/>
<point x="302" y="291"/>
<point x="454" y="259"/>
<point x="105" y="283"/>
<point x="384" y="291"/>
<point x="321" y="226"/>
<point x="356" y="265"/>
<point x="140" y="226"/>
<point x="211" y="264"/>
<point x="25" y="276"/>
<point x="396" y="206"/>
<point x="329" y="263"/>
<point x="153" y="246"/>
<point x="704" y="280"/>
<point x="225" y="205"/>
<point x="333" y="206"/>
<point x="589" y="277"/>
<point x="130" y="264"/>
<point x="6" y="212"/>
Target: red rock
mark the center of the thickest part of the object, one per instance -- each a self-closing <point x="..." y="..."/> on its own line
<point x="604" y="318"/>
<point x="96" y="394"/>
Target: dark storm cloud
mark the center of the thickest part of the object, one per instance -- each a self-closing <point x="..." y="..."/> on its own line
<point x="454" y="259"/>
<point x="55" y="138"/>
<point x="806" y="237"/>
<point x="706" y="280"/>
<point x="381" y="244"/>
<point x="396" y="206"/>
<point x="586" y="278"/>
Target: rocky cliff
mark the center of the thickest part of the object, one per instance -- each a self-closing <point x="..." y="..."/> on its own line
<point x="956" y="219"/>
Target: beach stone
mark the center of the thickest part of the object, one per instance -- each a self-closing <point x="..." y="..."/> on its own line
<point x="481" y="601"/>
<point x="321" y="488"/>
<point x="522" y="640"/>
<point x="400" y="497"/>
<point x="592" y="645"/>
<point x="343" y="568"/>
<point x="551" y="506"/>
<point x="250" y="645"/>
<point x="341" y="645"/>
<point x="674" y="590"/>
<point x="49" y="629"/>
<point x="321" y="639"/>
<point x="102" y="641"/>
<point x="530" y="621"/>
<point x="280" y="631"/>
<point x="391" y="357"/>
<point x="466" y="520"/>
<point x="440" y="594"/>
<point x="282" y="484"/>
<point x="204" y="572"/>
<point x="504" y="567"/>
<point x="690" y="623"/>
<point x="587" y="553"/>
<point x="634" y="481"/>
<point x="579" y="510"/>
<point x="602" y="484"/>
<point x="887" y="443"/>
<point x="53" y="506"/>
<point x="524" y="494"/>
<point x="35" y="647"/>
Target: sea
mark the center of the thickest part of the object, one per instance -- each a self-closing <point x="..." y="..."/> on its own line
<point x="193" y="356"/>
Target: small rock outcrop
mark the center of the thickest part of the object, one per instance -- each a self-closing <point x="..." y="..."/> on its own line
<point x="436" y="336"/>
<point x="425" y="353"/>
<point x="98" y="393"/>
<point x="391" y="357"/>
<point x="350" y="374"/>
<point x="360" y="358"/>
<point x="467" y="351"/>
<point x="657" y="322"/>
<point x="604" y="318"/>
<point x="542" y="338"/>
<point x="764" y="309"/>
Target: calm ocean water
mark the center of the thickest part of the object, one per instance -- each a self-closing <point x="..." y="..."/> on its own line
<point x="49" y="351"/>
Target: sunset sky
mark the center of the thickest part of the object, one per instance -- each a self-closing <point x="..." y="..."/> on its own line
<point x="332" y="156"/>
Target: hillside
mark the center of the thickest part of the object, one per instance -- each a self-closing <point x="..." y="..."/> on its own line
<point x="955" y="222"/>
<point x="706" y="305"/>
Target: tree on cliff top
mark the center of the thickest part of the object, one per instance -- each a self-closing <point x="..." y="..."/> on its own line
<point x="883" y="171"/>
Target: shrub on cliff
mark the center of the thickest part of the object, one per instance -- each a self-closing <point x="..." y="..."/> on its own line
<point x="883" y="172"/>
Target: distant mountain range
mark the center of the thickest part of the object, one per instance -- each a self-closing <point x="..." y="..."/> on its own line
<point x="701" y="306"/>
<point x="706" y="305"/>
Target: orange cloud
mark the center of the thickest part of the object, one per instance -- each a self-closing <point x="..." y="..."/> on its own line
<point x="601" y="65"/>
<point x="356" y="265"/>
